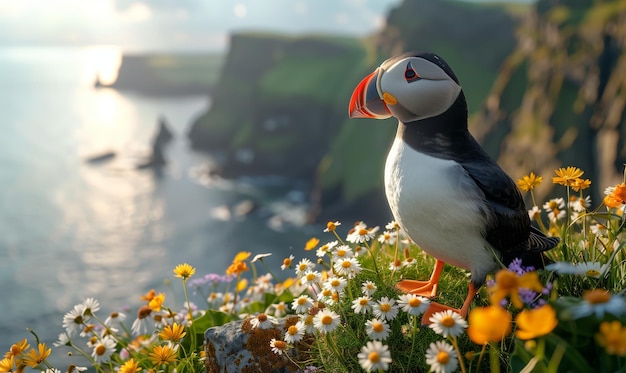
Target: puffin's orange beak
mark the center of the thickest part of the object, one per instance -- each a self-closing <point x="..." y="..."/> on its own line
<point x="366" y="102"/>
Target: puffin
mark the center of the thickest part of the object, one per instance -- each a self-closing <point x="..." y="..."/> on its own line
<point x="448" y="195"/>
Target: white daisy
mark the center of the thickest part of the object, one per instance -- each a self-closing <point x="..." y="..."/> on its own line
<point x="115" y="319"/>
<point x="336" y="284"/>
<point x="74" y="321"/>
<point x="64" y="340"/>
<point x="310" y="278"/>
<point x="103" y="349"/>
<point x="579" y="204"/>
<point x="393" y="226"/>
<point x="303" y="266"/>
<point x="277" y="309"/>
<point x="447" y="323"/>
<point x="441" y="357"/>
<point x="90" y="307"/>
<point x="599" y="230"/>
<point x="359" y="250"/>
<point x="348" y="267"/>
<point x="374" y="356"/>
<point x="263" y="321"/>
<point x="589" y="269"/>
<point x="377" y="329"/>
<point x="295" y="332"/>
<point x="362" y="304"/>
<point x="598" y="302"/>
<point x="388" y="237"/>
<point x="361" y="234"/>
<point x="278" y="346"/>
<point x="309" y="326"/>
<point x="326" y="321"/>
<point x="368" y="287"/>
<point x="534" y="213"/>
<point x="555" y="209"/>
<point x="386" y="308"/>
<point x="342" y="252"/>
<point x="328" y="297"/>
<point x="325" y="249"/>
<point x="413" y="304"/>
<point x="302" y="304"/>
<point x="396" y="264"/>
<point x="287" y="262"/>
<point x="75" y="369"/>
<point x="331" y="226"/>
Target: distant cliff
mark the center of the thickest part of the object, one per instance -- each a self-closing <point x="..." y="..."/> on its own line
<point x="280" y="106"/>
<point x="168" y="74"/>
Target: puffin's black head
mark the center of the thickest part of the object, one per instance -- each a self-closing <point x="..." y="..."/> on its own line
<point x="411" y="86"/>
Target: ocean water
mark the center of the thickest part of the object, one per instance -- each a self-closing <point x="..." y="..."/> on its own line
<point x="70" y="229"/>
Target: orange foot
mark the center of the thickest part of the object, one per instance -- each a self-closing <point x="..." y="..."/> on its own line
<point x="434" y="308"/>
<point x="438" y="307"/>
<point x="421" y="288"/>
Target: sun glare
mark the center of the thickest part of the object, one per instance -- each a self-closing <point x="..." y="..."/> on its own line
<point x="104" y="62"/>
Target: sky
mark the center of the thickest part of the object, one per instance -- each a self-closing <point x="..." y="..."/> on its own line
<point x="178" y="24"/>
<point x="137" y="25"/>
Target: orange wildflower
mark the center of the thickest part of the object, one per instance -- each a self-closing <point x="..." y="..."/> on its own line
<point x="617" y="197"/>
<point x="567" y="176"/>
<point x="529" y="182"/>
<point x="508" y="284"/>
<point x="489" y="324"/>
<point x="535" y="322"/>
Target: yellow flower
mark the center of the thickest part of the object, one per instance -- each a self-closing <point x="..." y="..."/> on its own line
<point x="130" y="366"/>
<point x="241" y="285"/>
<point x="237" y="268"/>
<point x="156" y="302"/>
<point x="241" y="256"/>
<point x="612" y="337"/>
<point x="529" y="182"/>
<point x="311" y="244"/>
<point x="162" y="355"/>
<point x="331" y="226"/>
<point x="6" y="364"/>
<point x="535" y="322"/>
<point x="35" y="357"/>
<point x="567" y="176"/>
<point x="18" y="348"/>
<point x="508" y="284"/>
<point x="580" y="184"/>
<point x="184" y="271"/>
<point x="174" y="333"/>
<point x="488" y="324"/>
<point x="617" y="197"/>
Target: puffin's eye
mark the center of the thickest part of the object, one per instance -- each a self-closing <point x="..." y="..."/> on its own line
<point x="409" y="74"/>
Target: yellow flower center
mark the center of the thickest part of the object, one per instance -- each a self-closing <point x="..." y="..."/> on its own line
<point x="597" y="296"/>
<point x="287" y="262"/>
<point x="443" y="357"/>
<point x="293" y="330"/>
<point x="374" y="357"/>
<point x="310" y="277"/>
<point x="302" y="267"/>
<point x="262" y="317"/>
<point x="331" y="226"/>
<point x="415" y="302"/>
<point x="327" y="292"/>
<point x="346" y="264"/>
<point x="301" y="301"/>
<point x="447" y="321"/>
<point x="280" y="345"/>
<point x="378" y="327"/>
<point x="100" y="350"/>
<point x="593" y="273"/>
<point x="385" y="307"/>
<point x="362" y="232"/>
<point x="364" y="302"/>
<point x="327" y="320"/>
<point x="335" y="283"/>
<point x="341" y="252"/>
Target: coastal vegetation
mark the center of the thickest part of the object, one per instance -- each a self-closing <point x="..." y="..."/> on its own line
<point x="570" y="316"/>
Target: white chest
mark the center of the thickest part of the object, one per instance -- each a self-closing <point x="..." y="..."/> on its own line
<point x="437" y="204"/>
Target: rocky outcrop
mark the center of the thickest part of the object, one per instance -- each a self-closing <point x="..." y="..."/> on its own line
<point x="237" y="347"/>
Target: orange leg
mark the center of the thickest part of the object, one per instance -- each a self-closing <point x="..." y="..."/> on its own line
<point x="438" y="307"/>
<point x="423" y="288"/>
